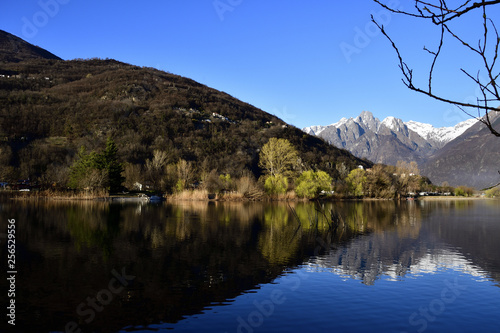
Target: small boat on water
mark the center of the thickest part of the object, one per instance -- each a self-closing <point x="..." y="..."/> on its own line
<point x="142" y="197"/>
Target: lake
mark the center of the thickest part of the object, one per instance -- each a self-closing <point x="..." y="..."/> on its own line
<point x="373" y="266"/>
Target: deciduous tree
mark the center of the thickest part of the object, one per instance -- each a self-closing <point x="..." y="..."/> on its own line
<point x="356" y="181"/>
<point x="278" y="157"/>
<point x="311" y="183"/>
<point x="185" y="174"/>
<point x="381" y="183"/>
<point x="276" y="184"/>
<point x="155" y="168"/>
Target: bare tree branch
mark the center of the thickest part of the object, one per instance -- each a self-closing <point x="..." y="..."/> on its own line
<point x="436" y="55"/>
<point x="439" y="13"/>
<point x="425" y="10"/>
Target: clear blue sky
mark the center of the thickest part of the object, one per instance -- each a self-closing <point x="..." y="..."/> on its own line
<point x="308" y="62"/>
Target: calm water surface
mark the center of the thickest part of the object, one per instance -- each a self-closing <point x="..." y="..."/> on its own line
<point x="254" y="267"/>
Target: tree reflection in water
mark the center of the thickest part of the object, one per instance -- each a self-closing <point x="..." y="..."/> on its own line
<point x="192" y="255"/>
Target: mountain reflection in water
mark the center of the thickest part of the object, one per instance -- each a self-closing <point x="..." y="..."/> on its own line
<point x="188" y="257"/>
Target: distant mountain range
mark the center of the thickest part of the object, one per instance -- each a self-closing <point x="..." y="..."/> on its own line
<point x="465" y="154"/>
<point x="389" y="140"/>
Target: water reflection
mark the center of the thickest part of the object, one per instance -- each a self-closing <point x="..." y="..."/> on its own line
<point x="451" y="232"/>
<point x="189" y="256"/>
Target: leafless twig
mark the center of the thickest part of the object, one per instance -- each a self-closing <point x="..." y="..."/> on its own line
<point x="440" y="13"/>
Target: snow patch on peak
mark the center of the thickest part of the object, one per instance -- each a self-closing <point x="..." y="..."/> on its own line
<point x="367" y="120"/>
<point x="366" y="116"/>
<point x="340" y="122"/>
<point x="440" y="134"/>
<point x="314" y="130"/>
<point x="424" y="130"/>
<point x="394" y="124"/>
<point x="389" y="121"/>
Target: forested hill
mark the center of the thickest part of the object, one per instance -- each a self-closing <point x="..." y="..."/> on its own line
<point x="14" y="49"/>
<point x="50" y="107"/>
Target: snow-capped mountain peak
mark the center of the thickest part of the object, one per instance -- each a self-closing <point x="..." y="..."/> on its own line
<point x="367" y="120"/>
<point x="393" y="123"/>
<point x="314" y="130"/>
<point x="340" y="122"/>
<point x="440" y="134"/>
<point x="389" y="140"/>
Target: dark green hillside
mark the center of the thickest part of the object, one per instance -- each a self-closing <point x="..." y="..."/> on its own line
<point x="49" y="108"/>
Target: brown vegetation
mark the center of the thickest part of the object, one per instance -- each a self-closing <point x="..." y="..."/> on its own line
<point x="51" y="108"/>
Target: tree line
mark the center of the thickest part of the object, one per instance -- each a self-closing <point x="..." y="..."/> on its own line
<point x="284" y="176"/>
<point x="283" y="173"/>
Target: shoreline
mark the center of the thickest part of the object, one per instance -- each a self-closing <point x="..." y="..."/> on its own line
<point x="204" y="197"/>
<point x="452" y="198"/>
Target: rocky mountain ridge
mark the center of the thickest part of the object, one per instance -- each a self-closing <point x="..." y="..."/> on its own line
<point x="464" y="154"/>
<point x="436" y="135"/>
<point x="389" y="140"/>
<point x="440" y="136"/>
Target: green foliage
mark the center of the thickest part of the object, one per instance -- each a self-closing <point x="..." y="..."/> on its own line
<point x="310" y="183"/>
<point x="278" y="157"/>
<point x="83" y="172"/>
<point x="464" y="191"/>
<point x="226" y="181"/>
<point x="277" y="242"/>
<point x="97" y="170"/>
<point x="112" y="166"/>
<point x="355" y="181"/>
<point x="180" y="185"/>
<point x="276" y="184"/>
<point x="493" y="192"/>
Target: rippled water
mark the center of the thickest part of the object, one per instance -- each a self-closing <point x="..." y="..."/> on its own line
<point x="376" y="266"/>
